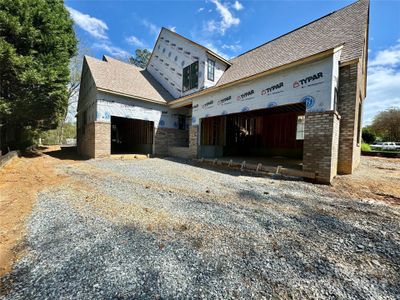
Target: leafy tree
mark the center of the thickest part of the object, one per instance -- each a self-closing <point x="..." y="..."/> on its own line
<point x="142" y="56"/>
<point x="368" y="135"/>
<point x="387" y="124"/>
<point x="37" y="41"/>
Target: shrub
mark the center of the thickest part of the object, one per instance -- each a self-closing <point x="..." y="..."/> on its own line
<point x="365" y="147"/>
<point x="368" y="135"/>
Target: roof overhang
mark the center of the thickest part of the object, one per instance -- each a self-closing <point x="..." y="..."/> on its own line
<point x="131" y="96"/>
<point x="187" y="100"/>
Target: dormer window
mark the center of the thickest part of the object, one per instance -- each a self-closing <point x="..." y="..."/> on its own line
<point x="191" y="77"/>
<point x="210" y="70"/>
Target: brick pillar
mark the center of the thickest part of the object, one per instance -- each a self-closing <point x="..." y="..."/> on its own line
<point x="348" y="105"/>
<point x="193" y="140"/>
<point x="102" y="139"/>
<point x="321" y="142"/>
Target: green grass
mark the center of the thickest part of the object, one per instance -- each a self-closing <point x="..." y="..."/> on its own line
<point x="365" y="147"/>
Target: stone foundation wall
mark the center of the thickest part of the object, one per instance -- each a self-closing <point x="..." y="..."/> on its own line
<point x="321" y="145"/>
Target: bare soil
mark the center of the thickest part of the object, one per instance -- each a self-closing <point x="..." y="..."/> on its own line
<point x="21" y="179"/>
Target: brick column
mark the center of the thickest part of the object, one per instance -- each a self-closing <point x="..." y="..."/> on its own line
<point x="321" y="143"/>
<point x="102" y="139"/>
<point x="348" y="104"/>
<point x="194" y="140"/>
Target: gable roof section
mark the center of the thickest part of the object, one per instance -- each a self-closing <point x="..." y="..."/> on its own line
<point x="212" y="53"/>
<point x="346" y="26"/>
<point x="113" y="76"/>
<point x="208" y="51"/>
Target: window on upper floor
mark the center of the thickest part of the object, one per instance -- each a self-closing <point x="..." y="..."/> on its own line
<point x="210" y="70"/>
<point x="191" y="77"/>
<point x="300" y="128"/>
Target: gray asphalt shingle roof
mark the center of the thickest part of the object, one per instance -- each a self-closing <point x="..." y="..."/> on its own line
<point x="123" y="78"/>
<point x="346" y="26"/>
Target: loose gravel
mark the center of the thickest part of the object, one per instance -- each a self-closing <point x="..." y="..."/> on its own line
<point x="169" y="229"/>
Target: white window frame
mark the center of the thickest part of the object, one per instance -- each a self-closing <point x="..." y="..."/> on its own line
<point x="211" y="64"/>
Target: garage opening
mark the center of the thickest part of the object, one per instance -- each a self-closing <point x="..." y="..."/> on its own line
<point x="131" y="136"/>
<point x="275" y="133"/>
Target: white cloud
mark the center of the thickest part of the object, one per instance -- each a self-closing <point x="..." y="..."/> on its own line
<point x="200" y="9"/>
<point x="112" y="50"/>
<point x="390" y="56"/>
<point x="237" y="5"/>
<point x="95" y="27"/>
<point x="383" y="87"/>
<point x="226" y="22"/>
<point x="233" y="48"/>
<point x="153" y="29"/>
<point x="215" y="49"/>
<point x="134" y="41"/>
<point x="172" y="28"/>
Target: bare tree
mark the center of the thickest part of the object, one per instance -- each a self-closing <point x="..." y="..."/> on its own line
<point x="73" y="86"/>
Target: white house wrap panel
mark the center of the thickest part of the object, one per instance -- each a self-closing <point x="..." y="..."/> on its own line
<point x="313" y="84"/>
<point x="171" y="55"/>
<point x="162" y="116"/>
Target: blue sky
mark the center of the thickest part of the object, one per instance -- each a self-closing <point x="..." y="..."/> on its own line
<point x="232" y="27"/>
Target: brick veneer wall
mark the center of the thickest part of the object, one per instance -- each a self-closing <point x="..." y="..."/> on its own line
<point x="86" y="141"/>
<point x="102" y="139"/>
<point x="169" y="137"/>
<point x="194" y="140"/>
<point x="349" y="96"/>
<point x="96" y="141"/>
<point x="321" y="144"/>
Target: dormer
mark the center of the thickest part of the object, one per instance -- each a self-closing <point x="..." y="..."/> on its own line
<point x="182" y="66"/>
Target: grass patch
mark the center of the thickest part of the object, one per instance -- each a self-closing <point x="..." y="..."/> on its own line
<point x="365" y="147"/>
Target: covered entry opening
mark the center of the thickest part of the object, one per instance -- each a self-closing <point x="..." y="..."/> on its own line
<point x="273" y="133"/>
<point x="131" y="136"/>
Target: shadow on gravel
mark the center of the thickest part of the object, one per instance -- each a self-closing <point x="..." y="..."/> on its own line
<point x="66" y="153"/>
<point x="226" y="170"/>
<point x="320" y="245"/>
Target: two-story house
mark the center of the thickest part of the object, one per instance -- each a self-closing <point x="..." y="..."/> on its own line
<point x="298" y="96"/>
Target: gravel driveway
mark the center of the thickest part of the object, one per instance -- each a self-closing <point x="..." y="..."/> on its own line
<point x="166" y="229"/>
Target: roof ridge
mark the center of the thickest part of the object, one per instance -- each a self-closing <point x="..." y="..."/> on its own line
<point x="123" y="62"/>
<point x="298" y="28"/>
<point x="220" y="57"/>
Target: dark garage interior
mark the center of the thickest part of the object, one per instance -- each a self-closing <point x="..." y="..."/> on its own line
<point x="131" y="136"/>
<point x="270" y="132"/>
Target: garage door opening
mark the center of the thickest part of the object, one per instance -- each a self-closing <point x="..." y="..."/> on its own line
<point x="131" y="136"/>
<point x="264" y="134"/>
